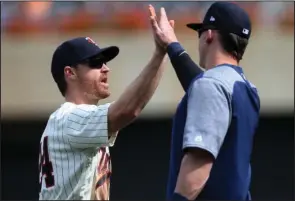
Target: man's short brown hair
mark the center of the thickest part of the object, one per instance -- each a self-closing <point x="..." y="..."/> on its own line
<point x="233" y="44"/>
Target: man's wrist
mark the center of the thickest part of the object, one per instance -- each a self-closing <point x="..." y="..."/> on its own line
<point x="158" y="55"/>
<point x="174" y="49"/>
<point x="159" y="51"/>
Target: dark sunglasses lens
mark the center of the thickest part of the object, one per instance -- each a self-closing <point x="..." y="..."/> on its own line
<point x="95" y="63"/>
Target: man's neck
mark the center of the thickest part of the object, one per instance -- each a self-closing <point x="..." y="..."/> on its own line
<point x="81" y="98"/>
<point x="211" y="63"/>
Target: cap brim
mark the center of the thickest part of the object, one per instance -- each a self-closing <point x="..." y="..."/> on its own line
<point x="195" y="26"/>
<point x="108" y="53"/>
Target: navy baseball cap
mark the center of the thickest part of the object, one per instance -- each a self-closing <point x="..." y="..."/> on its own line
<point x="226" y="17"/>
<point x="77" y="50"/>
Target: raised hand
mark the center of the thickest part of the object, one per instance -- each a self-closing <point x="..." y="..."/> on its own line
<point x="163" y="29"/>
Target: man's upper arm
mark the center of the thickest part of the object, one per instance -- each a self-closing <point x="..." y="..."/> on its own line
<point x="208" y="116"/>
<point x="87" y="126"/>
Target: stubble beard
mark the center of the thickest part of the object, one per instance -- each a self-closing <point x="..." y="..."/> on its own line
<point x="94" y="93"/>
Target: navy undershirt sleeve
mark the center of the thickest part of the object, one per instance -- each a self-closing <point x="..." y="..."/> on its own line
<point x="186" y="69"/>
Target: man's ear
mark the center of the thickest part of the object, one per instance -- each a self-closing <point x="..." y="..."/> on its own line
<point x="70" y="73"/>
<point x="209" y="36"/>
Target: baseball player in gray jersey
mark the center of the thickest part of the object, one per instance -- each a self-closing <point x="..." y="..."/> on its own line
<point x="215" y="122"/>
<point x="74" y="157"/>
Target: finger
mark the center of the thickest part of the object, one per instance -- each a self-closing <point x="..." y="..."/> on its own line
<point x="152" y="11"/>
<point x="163" y="15"/>
<point x="153" y="18"/>
<point x="172" y="23"/>
<point x="154" y="24"/>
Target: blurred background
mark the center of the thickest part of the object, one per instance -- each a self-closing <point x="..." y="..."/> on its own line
<point x="32" y="30"/>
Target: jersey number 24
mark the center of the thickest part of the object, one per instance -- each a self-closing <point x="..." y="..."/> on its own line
<point x="45" y="165"/>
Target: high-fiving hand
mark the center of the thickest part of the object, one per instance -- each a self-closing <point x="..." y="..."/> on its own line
<point x="163" y="29"/>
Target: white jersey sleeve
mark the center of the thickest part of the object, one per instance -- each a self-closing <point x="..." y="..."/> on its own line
<point x="87" y="126"/>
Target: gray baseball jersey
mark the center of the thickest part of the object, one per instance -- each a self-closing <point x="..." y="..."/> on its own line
<point x="74" y="157"/>
<point x="209" y="113"/>
<point x="219" y="114"/>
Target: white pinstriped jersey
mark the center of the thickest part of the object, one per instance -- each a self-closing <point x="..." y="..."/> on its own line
<point x="74" y="157"/>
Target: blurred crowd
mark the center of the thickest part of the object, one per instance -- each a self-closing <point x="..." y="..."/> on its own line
<point x="21" y="17"/>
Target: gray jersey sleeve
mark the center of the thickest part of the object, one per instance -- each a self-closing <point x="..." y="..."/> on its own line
<point x="208" y="116"/>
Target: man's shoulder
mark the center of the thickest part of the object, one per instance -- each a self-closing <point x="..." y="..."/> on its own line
<point x="224" y="76"/>
<point x="81" y="110"/>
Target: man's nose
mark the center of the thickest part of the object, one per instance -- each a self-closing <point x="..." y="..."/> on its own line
<point x="105" y="68"/>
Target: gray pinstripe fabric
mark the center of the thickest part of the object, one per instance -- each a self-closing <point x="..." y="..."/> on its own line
<point x="75" y="133"/>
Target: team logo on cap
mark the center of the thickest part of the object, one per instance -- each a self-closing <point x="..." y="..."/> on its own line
<point x="91" y="41"/>
<point x="245" y="31"/>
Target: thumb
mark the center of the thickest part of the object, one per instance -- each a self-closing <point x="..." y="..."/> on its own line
<point x="172" y="23"/>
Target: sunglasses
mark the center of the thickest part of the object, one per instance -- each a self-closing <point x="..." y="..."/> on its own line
<point x="94" y="62"/>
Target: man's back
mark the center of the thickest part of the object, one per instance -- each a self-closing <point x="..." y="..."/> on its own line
<point x="231" y="172"/>
<point x="74" y="153"/>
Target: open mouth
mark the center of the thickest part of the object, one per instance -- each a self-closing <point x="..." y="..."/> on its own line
<point x="104" y="80"/>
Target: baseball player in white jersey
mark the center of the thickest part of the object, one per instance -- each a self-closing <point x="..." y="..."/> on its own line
<point x="74" y="157"/>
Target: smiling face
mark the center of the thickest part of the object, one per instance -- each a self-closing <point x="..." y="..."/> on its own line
<point x="89" y="77"/>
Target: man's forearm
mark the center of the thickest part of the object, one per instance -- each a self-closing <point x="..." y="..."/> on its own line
<point x="140" y="91"/>
<point x="185" y="68"/>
